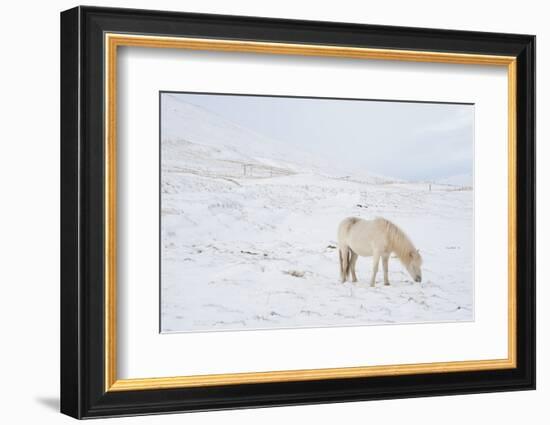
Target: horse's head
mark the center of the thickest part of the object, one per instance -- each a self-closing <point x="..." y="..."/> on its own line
<point x="414" y="265"/>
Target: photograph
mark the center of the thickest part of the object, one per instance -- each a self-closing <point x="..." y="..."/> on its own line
<point x="288" y="208"/>
<point x="285" y="212"/>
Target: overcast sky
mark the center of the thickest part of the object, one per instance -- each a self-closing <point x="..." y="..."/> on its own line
<point x="411" y="141"/>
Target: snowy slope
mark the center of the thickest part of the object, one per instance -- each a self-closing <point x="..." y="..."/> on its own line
<point x="182" y="121"/>
<point x="248" y="236"/>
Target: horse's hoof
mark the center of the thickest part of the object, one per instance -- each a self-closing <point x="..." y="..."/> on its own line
<point x="372" y="285"/>
<point x="387" y="283"/>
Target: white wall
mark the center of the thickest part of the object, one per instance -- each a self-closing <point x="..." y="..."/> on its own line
<point x="29" y="225"/>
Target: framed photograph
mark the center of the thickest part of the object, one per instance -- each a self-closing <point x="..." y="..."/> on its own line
<point x="261" y="212"/>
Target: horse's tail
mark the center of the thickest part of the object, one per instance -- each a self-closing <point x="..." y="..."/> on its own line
<point x="348" y="263"/>
<point x="344" y="263"/>
<point x="344" y="251"/>
<point x="341" y="265"/>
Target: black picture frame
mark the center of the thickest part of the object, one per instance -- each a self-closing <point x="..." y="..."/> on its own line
<point x="83" y="392"/>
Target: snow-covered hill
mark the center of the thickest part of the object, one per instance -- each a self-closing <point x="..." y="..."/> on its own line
<point x="221" y="139"/>
<point x="248" y="235"/>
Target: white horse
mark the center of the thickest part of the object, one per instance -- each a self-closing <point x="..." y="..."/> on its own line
<point x="376" y="238"/>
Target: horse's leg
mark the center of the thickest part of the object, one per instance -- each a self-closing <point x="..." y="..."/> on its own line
<point x="344" y="254"/>
<point x="375" y="261"/>
<point x="385" y="259"/>
<point x="352" y="262"/>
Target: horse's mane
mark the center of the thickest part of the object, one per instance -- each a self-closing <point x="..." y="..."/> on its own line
<point x="400" y="243"/>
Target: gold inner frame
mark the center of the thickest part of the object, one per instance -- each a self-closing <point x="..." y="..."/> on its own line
<point x="113" y="41"/>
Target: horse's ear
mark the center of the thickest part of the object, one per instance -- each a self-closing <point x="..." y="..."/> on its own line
<point x="418" y="250"/>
